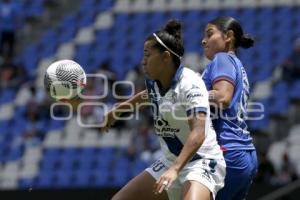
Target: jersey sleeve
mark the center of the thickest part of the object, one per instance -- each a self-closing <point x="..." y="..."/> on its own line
<point x="223" y="68"/>
<point x="194" y="96"/>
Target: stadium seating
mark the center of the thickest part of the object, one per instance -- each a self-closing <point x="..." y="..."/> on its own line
<point x="114" y="31"/>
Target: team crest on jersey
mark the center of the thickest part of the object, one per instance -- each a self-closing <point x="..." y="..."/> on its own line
<point x="171" y="97"/>
<point x="163" y="129"/>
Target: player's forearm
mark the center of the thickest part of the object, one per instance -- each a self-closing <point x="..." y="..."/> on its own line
<point x="132" y="103"/>
<point x="190" y="148"/>
<point x="216" y="98"/>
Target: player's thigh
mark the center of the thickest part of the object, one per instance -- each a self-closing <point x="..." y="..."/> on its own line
<point x="193" y="190"/>
<point x="140" y="187"/>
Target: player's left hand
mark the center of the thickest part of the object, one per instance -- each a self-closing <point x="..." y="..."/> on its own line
<point x="165" y="180"/>
<point x="73" y="102"/>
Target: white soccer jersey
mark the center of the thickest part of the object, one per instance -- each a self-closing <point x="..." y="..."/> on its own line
<point x="186" y="96"/>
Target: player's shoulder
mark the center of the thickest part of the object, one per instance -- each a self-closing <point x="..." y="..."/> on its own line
<point x="221" y="55"/>
<point x="190" y="79"/>
<point x="223" y="59"/>
<point x="188" y="73"/>
<point x="225" y="56"/>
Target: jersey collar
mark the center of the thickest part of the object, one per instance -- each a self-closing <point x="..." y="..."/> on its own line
<point x="174" y="81"/>
<point x="177" y="76"/>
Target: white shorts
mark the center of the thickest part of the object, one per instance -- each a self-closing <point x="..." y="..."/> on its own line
<point x="209" y="172"/>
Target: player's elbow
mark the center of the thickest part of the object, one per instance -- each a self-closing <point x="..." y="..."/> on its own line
<point x="220" y="99"/>
<point x="224" y="102"/>
<point x="198" y="139"/>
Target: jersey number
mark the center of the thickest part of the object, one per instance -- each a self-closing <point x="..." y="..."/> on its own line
<point x="157" y="166"/>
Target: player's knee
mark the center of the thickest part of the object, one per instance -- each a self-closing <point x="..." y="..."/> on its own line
<point x="117" y="197"/>
<point x="123" y="195"/>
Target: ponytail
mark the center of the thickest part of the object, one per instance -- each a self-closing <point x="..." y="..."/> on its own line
<point x="246" y="41"/>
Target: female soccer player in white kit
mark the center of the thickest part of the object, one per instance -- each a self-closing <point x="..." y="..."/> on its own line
<point x="192" y="165"/>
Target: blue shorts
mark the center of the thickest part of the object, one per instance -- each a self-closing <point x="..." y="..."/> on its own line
<point x="240" y="172"/>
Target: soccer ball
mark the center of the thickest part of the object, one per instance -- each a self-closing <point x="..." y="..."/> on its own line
<point x="64" y="80"/>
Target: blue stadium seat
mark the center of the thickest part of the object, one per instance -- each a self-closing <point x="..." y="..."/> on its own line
<point x="7" y="95"/>
<point x="262" y="71"/>
<point x="67" y="28"/>
<point x="121" y="20"/>
<point x="15" y="152"/>
<point x="119" y="177"/>
<point x="64" y="179"/>
<point x="104" y="159"/>
<point x="18" y="127"/>
<point x="53" y="152"/>
<point x="35" y="9"/>
<point x="138" y="19"/>
<point x="122" y="163"/>
<point x="29" y="58"/>
<point x="156" y="19"/>
<point x="26" y="183"/>
<point x="46" y="180"/>
<point x="279" y="99"/>
<point x="209" y="15"/>
<point x="67" y="163"/>
<point x="87" y="162"/>
<point x="138" y="166"/>
<point x="104" y="5"/>
<point x="82" y="178"/>
<point x="56" y="125"/>
<point x="294" y="91"/>
<point x="259" y="121"/>
<point x="49" y="49"/>
<point x="102" y="38"/>
<point x="87" y="6"/>
<point x="176" y="14"/>
<point x="233" y="12"/>
<point x="70" y="152"/>
<point x="101" y="178"/>
<point x="49" y="163"/>
<point x="5" y="126"/>
<point x="3" y="151"/>
<point x="283" y="13"/>
<point x="86" y="19"/>
<point x="20" y="110"/>
<point x="104" y="151"/>
<point x="82" y="55"/>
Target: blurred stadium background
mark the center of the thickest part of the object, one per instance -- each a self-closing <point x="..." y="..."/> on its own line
<point x="59" y="159"/>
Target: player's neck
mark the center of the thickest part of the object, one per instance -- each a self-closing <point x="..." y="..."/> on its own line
<point x="231" y="52"/>
<point x="166" y="78"/>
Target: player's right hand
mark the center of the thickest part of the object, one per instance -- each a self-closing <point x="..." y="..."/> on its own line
<point x="108" y="121"/>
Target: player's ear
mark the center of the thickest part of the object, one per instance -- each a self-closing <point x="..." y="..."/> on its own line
<point x="229" y="36"/>
<point x="166" y="55"/>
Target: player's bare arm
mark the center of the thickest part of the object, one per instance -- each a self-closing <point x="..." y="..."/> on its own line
<point x="193" y="143"/>
<point x="130" y="104"/>
<point x="221" y="94"/>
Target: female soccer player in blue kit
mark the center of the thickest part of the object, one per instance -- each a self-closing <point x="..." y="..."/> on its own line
<point x="227" y="83"/>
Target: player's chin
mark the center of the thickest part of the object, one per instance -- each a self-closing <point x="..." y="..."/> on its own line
<point x="147" y="75"/>
<point x="208" y="54"/>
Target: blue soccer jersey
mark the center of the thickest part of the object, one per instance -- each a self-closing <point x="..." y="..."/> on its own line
<point x="230" y="125"/>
